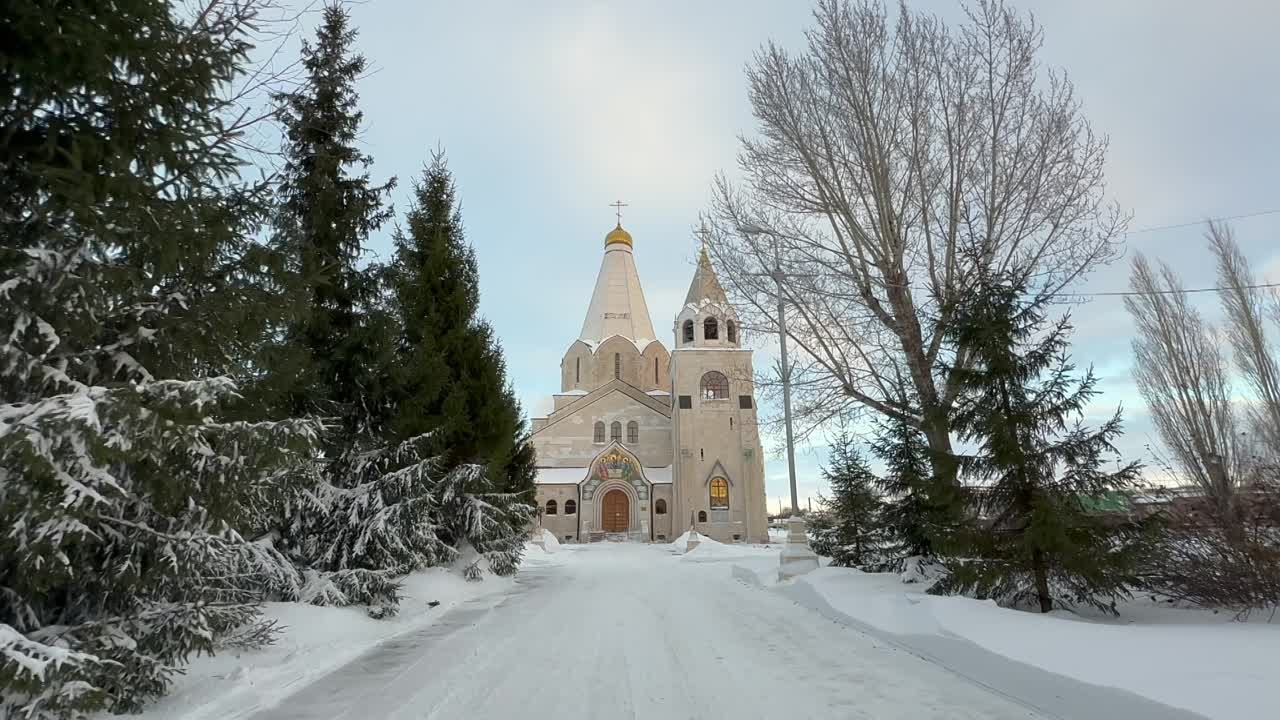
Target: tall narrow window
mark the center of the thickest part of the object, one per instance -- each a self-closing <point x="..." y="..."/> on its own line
<point x="617" y="365"/>
<point x="719" y="494"/>
<point x="599" y="434"/>
<point x="710" y="329"/>
<point x="655" y="371"/>
<point x="633" y="432"/>
<point x="577" y="370"/>
<point x="715" y="386"/>
<point x="551" y="507"/>
<point x="615" y="431"/>
<point x="686" y="332"/>
<point x="731" y="331"/>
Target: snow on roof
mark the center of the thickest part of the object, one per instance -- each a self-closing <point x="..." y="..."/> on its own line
<point x="658" y="475"/>
<point x="575" y="391"/>
<point x="560" y="476"/>
<point x="575" y="475"/>
<point x="640" y="344"/>
<point x="657" y="392"/>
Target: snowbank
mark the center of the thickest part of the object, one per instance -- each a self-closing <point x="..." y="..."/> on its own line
<point x="708" y="550"/>
<point x="549" y="541"/>
<point x="1191" y="659"/>
<point x="681" y="544"/>
<point x="314" y="641"/>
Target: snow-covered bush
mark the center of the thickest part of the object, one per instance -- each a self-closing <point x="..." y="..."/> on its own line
<point x="126" y="291"/>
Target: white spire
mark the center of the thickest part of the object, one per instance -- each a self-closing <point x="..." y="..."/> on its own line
<point x="617" y="305"/>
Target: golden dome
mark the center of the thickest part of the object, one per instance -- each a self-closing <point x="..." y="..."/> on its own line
<point x="617" y="235"/>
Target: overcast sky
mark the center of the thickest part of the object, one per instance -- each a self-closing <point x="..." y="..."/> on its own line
<point x="551" y="110"/>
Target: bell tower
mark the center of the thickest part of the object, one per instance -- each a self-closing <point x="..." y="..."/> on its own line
<point x="719" y="464"/>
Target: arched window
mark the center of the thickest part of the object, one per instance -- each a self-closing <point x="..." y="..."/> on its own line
<point x="719" y="494"/>
<point x="599" y="436"/>
<point x="702" y="516"/>
<point x="659" y="507"/>
<point x="617" y="365"/>
<point x="686" y="331"/>
<point x="570" y="507"/>
<point x="633" y="432"/>
<point x="615" y="431"/>
<point x="710" y="329"/>
<point x="551" y="507"/>
<point x="715" y="386"/>
<point x="731" y="331"/>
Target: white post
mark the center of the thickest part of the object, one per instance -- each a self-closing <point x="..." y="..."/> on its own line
<point x="797" y="558"/>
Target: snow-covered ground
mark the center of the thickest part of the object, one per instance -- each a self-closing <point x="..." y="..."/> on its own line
<point x="650" y="631"/>
<point x="631" y="631"/>
<point x="1185" y="658"/>
<point x="314" y="642"/>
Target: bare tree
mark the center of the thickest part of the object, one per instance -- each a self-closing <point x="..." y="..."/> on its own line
<point x="895" y="163"/>
<point x="1246" y="307"/>
<point x="1181" y="371"/>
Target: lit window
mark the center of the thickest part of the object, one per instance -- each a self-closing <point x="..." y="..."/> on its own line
<point x="719" y="494"/>
<point x="551" y="507"/>
<point x="570" y="507"/>
<point x="710" y="329"/>
<point x="633" y="432"/>
<point x="599" y="434"/>
<point x="615" y="432"/>
<point x="715" y="386"/>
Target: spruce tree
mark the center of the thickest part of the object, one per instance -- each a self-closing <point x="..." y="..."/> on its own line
<point x="366" y="518"/>
<point x="919" y="508"/>
<point x="1035" y="539"/>
<point x="126" y="238"/>
<point x="452" y="377"/>
<point x="850" y="533"/>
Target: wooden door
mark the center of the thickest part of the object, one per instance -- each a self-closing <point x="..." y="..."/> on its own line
<point x="616" y="514"/>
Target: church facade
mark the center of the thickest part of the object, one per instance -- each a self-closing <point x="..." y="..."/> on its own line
<point x="643" y="443"/>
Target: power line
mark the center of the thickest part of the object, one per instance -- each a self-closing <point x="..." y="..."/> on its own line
<point x="1224" y="218"/>
<point x="1179" y="291"/>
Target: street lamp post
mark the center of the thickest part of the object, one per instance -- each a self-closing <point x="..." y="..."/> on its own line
<point x="797" y="558"/>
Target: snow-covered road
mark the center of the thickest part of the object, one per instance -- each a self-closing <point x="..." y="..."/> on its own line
<point x="628" y="631"/>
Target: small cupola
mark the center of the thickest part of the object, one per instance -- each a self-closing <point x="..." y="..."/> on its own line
<point x="707" y="319"/>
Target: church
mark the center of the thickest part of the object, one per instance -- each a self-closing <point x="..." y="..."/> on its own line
<point x="643" y="444"/>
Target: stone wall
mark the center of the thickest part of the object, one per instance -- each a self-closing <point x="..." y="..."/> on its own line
<point x="569" y="441"/>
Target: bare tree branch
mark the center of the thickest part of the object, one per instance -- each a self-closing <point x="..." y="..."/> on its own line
<point x="1182" y="374"/>
<point x="896" y="162"/>
<point x="1256" y="357"/>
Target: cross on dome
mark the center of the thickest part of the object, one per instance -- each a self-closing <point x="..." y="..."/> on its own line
<point x="617" y="206"/>
<point x="618" y="235"/>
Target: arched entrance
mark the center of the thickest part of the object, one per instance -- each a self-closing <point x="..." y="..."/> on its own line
<point x="615" y="512"/>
